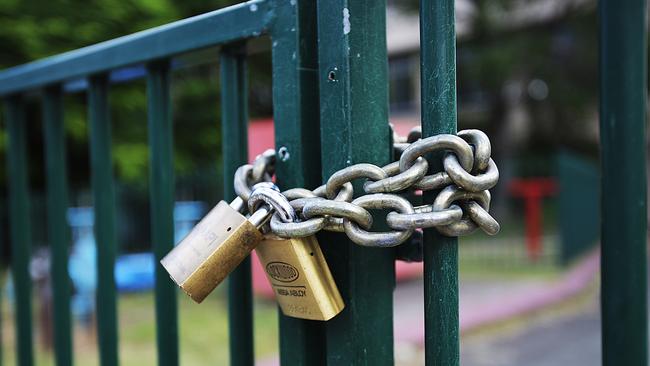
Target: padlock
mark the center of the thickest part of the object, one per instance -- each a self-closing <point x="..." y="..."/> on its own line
<point x="221" y="241"/>
<point x="301" y="280"/>
<point x="214" y="248"/>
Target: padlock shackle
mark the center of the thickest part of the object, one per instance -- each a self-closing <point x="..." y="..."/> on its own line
<point x="261" y="216"/>
<point x="238" y="204"/>
<point x="265" y="196"/>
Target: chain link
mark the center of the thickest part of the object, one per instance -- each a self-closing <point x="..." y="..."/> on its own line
<point x="379" y="201"/>
<point x="460" y="208"/>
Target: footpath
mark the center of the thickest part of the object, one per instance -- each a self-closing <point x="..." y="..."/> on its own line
<point x="484" y="302"/>
<point x="488" y="302"/>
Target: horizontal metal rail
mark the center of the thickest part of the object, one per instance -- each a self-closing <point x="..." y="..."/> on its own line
<point x="246" y="20"/>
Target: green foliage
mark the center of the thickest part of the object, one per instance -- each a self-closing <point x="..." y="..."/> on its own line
<point x="33" y="29"/>
<point x="197" y="134"/>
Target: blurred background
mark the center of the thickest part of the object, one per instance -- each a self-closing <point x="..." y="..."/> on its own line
<point x="527" y="76"/>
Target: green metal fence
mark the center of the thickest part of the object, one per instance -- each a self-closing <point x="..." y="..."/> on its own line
<point x="329" y="85"/>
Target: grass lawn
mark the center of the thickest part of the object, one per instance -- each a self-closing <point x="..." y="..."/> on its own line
<point x="203" y="333"/>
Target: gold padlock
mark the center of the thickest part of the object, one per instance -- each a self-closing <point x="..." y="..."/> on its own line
<point x="214" y="248"/>
<point x="302" y="281"/>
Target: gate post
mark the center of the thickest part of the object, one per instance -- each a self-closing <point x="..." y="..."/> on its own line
<point x="295" y="114"/>
<point x="234" y="129"/>
<point x="354" y="128"/>
<point x="20" y="225"/>
<point x="623" y="83"/>
<point x="438" y="82"/>
<point x="57" y="229"/>
<point x="104" y="210"/>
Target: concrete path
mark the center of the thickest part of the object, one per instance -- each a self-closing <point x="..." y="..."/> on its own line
<point x="572" y="338"/>
<point x="488" y="301"/>
<point x="566" y="340"/>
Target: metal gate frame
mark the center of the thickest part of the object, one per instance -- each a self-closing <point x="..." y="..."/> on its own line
<point x="331" y="110"/>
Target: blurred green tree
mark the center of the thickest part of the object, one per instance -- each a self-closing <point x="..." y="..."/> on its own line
<point x="33" y="29"/>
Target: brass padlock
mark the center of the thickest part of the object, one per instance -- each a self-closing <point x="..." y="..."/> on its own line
<point x="214" y="248"/>
<point x="302" y="281"/>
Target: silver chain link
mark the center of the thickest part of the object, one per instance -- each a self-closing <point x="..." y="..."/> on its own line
<point x="461" y="206"/>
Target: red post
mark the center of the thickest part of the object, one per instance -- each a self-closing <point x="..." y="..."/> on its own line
<point x="532" y="190"/>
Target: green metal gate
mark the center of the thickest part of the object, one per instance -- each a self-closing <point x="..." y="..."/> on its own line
<point x="329" y="85"/>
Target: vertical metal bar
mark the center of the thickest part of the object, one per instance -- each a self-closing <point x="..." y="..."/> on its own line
<point x="234" y="124"/>
<point x="104" y="203"/>
<point x="296" y="105"/>
<point x="57" y="194"/>
<point x="438" y="93"/>
<point x="623" y="78"/>
<point x="20" y="227"/>
<point x="354" y="128"/>
<point x="161" y="180"/>
<point x="2" y="338"/>
<point x="2" y="322"/>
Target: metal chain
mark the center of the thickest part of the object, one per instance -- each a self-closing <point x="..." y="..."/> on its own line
<point x="461" y="206"/>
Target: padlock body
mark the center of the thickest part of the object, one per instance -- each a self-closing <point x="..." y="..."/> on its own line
<point x="301" y="280"/>
<point x="213" y="249"/>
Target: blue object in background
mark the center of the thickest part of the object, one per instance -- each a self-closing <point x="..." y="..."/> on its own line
<point x="133" y="272"/>
<point x="186" y="214"/>
<point x="82" y="264"/>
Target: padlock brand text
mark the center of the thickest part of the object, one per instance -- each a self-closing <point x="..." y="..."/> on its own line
<point x="292" y="292"/>
<point x="283" y="272"/>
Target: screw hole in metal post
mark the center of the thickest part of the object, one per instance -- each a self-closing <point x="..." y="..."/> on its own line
<point x="331" y="76"/>
<point x="283" y="153"/>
